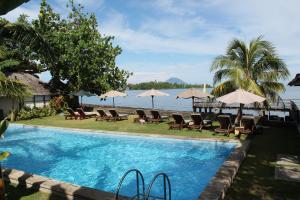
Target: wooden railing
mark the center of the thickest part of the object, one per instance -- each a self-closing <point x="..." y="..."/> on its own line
<point x="280" y="105"/>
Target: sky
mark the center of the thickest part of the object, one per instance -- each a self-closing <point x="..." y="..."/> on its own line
<point x="180" y="38"/>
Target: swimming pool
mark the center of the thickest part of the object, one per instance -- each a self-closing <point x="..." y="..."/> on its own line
<point x="99" y="160"/>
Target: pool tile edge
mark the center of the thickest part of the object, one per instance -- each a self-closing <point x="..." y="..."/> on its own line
<point x="154" y="135"/>
<point x="220" y="183"/>
<point x="51" y="186"/>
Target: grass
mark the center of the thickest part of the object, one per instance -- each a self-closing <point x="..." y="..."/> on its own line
<point x="255" y="179"/>
<point x="14" y="192"/>
<point x="123" y="126"/>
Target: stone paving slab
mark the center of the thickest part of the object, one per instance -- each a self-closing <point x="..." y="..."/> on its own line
<point x="58" y="188"/>
<point x="287" y="168"/>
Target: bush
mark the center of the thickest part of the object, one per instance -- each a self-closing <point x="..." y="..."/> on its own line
<point x="58" y="104"/>
<point x="27" y="113"/>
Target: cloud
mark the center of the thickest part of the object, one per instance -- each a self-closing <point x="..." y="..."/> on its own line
<point x="190" y="72"/>
<point x="213" y="41"/>
<point x="146" y="76"/>
<point x="32" y="10"/>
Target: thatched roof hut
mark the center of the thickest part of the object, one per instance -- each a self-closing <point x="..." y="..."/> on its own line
<point x="36" y="86"/>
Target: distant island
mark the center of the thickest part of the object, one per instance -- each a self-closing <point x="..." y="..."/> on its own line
<point x="175" y="80"/>
<point x="171" y="83"/>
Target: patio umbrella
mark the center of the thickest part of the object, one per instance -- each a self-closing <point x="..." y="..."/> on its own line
<point x="82" y="93"/>
<point x="242" y="97"/>
<point x="193" y="93"/>
<point x="113" y="94"/>
<point x="151" y="93"/>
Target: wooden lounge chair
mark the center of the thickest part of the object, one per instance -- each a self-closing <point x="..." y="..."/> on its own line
<point x="247" y="126"/>
<point x="71" y="114"/>
<point x="142" y="117"/>
<point x="198" y="122"/>
<point x="157" y="117"/>
<point x="179" y="122"/>
<point x="85" y="115"/>
<point x="116" y="116"/>
<point x="225" y="125"/>
<point x="102" y="115"/>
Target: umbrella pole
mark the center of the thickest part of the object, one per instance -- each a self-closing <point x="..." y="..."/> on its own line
<point x="240" y="114"/>
<point x="152" y="102"/>
<point x="113" y="102"/>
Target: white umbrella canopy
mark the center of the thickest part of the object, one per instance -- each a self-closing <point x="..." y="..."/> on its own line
<point x="193" y="93"/>
<point x="241" y="96"/>
<point x="113" y="94"/>
<point x="151" y="93"/>
<point x="82" y="93"/>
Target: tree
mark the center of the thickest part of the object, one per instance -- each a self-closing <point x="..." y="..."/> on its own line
<point x="84" y="59"/>
<point x="255" y="68"/>
<point x="21" y="46"/>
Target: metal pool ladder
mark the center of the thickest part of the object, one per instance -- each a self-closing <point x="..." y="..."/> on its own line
<point x="141" y="195"/>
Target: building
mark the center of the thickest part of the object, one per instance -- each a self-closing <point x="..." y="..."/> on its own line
<point x="295" y="81"/>
<point x="39" y="90"/>
<point x="296" y="113"/>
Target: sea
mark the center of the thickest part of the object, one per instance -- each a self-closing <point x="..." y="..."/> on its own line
<point x="167" y="102"/>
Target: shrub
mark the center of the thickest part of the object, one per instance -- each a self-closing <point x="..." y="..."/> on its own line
<point x="27" y="113"/>
<point x="58" y="104"/>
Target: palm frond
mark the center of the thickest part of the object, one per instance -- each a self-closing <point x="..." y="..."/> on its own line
<point x="223" y="88"/>
<point x="27" y="36"/>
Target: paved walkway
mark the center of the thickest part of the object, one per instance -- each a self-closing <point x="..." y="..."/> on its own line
<point x="287" y="168"/>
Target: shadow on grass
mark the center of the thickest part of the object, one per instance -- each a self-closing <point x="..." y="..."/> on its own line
<point x="256" y="177"/>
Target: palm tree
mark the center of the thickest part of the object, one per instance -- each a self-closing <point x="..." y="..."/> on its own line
<point x="255" y="68"/>
<point x="18" y="36"/>
<point x="14" y="90"/>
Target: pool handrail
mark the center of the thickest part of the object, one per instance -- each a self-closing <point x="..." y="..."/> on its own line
<point x="166" y="181"/>
<point x="138" y="173"/>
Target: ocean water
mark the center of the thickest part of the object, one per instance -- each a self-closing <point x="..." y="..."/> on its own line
<point x="167" y="102"/>
<point x="99" y="160"/>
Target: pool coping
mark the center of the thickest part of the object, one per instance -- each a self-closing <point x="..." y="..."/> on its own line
<point x="154" y="135"/>
<point x="215" y="189"/>
<point x="54" y="187"/>
<point x="221" y="182"/>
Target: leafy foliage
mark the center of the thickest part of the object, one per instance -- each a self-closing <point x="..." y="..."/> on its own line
<point x="13" y="89"/>
<point x="58" y="104"/>
<point x="162" y="85"/>
<point x="255" y="67"/>
<point x="3" y="127"/>
<point x="84" y="59"/>
<point x="21" y="46"/>
<point x="27" y="113"/>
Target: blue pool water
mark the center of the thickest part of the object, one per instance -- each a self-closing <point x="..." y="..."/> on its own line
<point x="99" y="160"/>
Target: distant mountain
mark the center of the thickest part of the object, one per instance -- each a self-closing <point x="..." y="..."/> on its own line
<point x="174" y="80"/>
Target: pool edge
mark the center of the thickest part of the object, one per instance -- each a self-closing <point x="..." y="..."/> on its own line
<point x="54" y="187"/>
<point x="154" y="135"/>
<point x="221" y="182"/>
<point x="215" y="189"/>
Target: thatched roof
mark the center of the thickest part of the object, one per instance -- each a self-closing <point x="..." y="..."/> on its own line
<point x="36" y="86"/>
<point x="295" y="81"/>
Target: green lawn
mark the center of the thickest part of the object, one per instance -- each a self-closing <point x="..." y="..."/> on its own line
<point x="255" y="179"/>
<point x="122" y="126"/>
